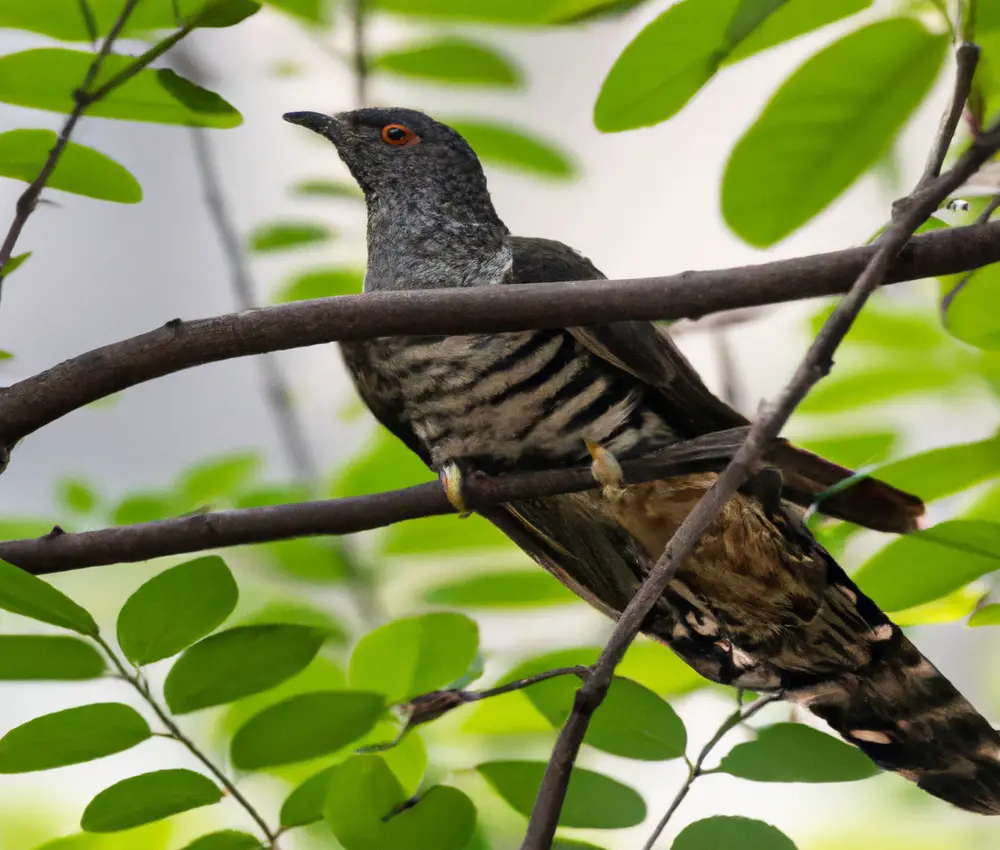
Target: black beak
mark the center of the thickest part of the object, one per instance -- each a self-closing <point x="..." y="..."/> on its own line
<point x="315" y="121"/>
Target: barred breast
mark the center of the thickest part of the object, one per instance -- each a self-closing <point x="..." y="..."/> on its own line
<point x="504" y="401"/>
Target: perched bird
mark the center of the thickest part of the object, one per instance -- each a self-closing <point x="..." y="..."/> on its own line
<point x="759" y="604"/>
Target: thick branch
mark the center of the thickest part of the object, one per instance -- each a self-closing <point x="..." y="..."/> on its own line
<point x="35" y="402"/>
<point x="911" y="213"/>
<point x="58" y="550"/>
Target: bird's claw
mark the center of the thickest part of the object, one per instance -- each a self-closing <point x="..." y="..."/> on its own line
<point x="606" y="469"/>
<point x="451" y="480"/>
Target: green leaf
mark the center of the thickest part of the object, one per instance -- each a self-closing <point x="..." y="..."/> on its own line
<point x="281" y="235"/>
<point x="144" y="507"/>
<point x="305" y="726"/>
<point x="442" y="819"/>
<point x="64" y="20"/>
<point x="25" y="594"/>
<point x="321" y="283"/>
<point x="942" y="472"/>
<point x="441" y="534"/>
<point x="827" y="125"/>
<point x="926" y="565"/>
<point x="414" y="655"/>
<point x="300" y="614"/>
<point x="361" y="792"/>
<point x="451" y="60"/>
<point x="305" y="804"/>
<point x="731" y="833"/>
<point x="948" y="609"/>
<point x="407" y="760"/>
<point x="310" y="558"/>
<point x="888" y="327"/>
<point x="310" y="11"/>
<point x="681" y="50"/>
<point x="46" y="77"/>
<point x="226" y="839"/>
<point x="632" y="722"/>
<point x="496" y="144"/>
<point x="52" y="657"/>
<point x="147" y="798"/>
<point x="852" y="450"/>
<point x="593" y="801"/>
<point x="501" y="590"/>
<point x="238" y="662"/>
<point x="72" y="736"/>
<point x="986" y="616"/>
<point x="80" y="170"/>
<point x="327" y="188"/>
<point x="878" y="383"/>
<point x="77" y="495"/>
<point x="507" y="12"/>
<point x="970" y="309"/>
<point x="218" y="478"/>
<point x="176" y="608"/>
<point x="15" y="263"/>
<point x="794" y="18"/>
<point x="225" y="13"/>
<point x="361" y="807"/>
<point x="665" y="65"/>
<point x="792" y="752"/>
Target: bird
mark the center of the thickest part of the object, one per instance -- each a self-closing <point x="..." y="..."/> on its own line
<point x="759" y="604"/>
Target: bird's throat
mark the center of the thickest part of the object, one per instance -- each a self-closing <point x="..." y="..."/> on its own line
<point x="428" y="247"/>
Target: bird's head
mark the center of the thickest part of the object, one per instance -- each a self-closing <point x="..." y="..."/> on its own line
<point x="400" y="154"/>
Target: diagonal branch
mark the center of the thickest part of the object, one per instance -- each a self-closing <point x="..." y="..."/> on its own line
<point x="815" y="365"/>
<point x="41" y="399"/>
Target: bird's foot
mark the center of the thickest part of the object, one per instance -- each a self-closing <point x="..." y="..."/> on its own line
<point x="606" y="470"/>
<point x="451" y="480"/>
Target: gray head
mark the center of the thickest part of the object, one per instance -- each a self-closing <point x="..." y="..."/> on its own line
<point x="431" y="221"/>
<point x="396" y="153"/>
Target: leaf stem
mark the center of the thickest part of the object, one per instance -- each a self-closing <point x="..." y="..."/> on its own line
<point x="696" y="768"/>
<point x="175" y="732"/>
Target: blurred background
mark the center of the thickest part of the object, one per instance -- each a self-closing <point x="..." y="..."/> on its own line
<point x="639" y="203"/>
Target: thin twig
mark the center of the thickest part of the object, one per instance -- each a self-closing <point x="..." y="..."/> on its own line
<point x="276" y="388"/>
<point x="83" y="98"/>
<point x="731" y="390"/>
<point x="359" y="55"/>
<point x="696" y="769"/>
<point x="39" y="400"/>
<point x="178" y="735"/>
<point x="908" y="216"/>
<point x="870" y="502"/>
<point x="430" y="706"/>
<point x="966" y="60"/>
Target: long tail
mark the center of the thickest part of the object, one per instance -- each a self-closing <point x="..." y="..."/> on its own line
<point x="907" y="717"/>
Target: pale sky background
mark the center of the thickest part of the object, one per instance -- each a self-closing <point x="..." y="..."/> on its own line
<point x="647" y="203"/>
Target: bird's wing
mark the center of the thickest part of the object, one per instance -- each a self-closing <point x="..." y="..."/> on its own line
<point x="646" y="352"/>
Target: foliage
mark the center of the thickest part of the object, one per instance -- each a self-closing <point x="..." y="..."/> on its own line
<point x="318" y="697"/>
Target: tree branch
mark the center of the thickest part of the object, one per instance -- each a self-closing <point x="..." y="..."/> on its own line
<point x="37" y="401"/>
<point x="908" y="216"/>
<point x="58" y="550"/>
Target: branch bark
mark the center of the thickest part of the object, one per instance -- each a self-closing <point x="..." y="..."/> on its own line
<point x="37" y="401"/>
<point x="908" y="216"/>
<point x="59" y="550"/>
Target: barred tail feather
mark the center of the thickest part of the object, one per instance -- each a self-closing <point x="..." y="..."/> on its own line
<point x="910" y="719"/>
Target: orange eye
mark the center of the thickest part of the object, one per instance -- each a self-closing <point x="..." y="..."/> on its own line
<point x="398" y="134"/>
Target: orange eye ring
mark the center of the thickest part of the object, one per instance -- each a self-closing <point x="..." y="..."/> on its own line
<point x="398" y="135"/>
